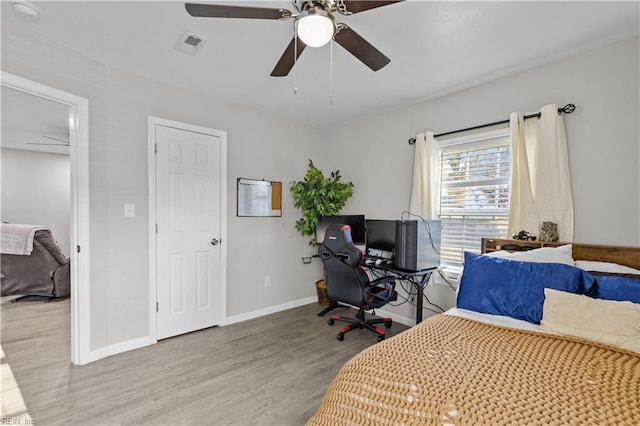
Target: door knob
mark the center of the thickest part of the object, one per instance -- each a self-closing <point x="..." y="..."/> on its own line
<point x="215" y="241"/>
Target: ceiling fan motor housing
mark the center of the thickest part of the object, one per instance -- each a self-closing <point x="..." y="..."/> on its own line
<point x="302" y="5"/>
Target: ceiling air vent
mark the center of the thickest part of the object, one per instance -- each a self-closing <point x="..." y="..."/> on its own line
<point x="190" y="43"/>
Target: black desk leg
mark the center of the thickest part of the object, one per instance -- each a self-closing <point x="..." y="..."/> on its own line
<point x="333" y="304"/>
<point x="420" y="302"/>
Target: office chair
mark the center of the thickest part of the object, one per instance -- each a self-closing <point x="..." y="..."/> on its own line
<point x="347" y="282"/>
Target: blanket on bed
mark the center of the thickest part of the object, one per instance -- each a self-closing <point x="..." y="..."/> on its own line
<point x="17" y="238"/>
<point x="449" y="370"/>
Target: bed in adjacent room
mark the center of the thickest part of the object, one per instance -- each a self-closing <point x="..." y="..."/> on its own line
<point x="544" y="336"/>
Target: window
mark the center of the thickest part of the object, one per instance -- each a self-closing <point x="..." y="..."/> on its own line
<point x="472" y="190"/>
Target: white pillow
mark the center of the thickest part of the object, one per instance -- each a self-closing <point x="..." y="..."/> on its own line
<point x="612" y="268"/>
<point x="605" y="321"/>
<point x="562" y="254"/>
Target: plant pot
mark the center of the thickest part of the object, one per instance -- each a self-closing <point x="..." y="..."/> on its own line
<point x="323" y="294"/>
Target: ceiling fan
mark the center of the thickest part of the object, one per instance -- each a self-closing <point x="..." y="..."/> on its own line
<point x="57" y="141"/>
<point x="315" y="26"/>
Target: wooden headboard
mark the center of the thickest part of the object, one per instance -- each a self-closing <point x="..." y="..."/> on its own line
<point x="628" y="256"/>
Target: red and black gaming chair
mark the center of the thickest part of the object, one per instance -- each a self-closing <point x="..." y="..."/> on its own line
<point x="347" y="281"/>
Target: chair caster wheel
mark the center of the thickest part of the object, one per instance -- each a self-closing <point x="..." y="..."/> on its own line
<point x="340" y="336"/>
<point x="388" y="324"/>
<point x="380" y="338"/>
<point x="330" y="321"/>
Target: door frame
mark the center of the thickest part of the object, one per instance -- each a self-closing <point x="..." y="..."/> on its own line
<point x="153" y="279"/>
<point x="79" y="211"/>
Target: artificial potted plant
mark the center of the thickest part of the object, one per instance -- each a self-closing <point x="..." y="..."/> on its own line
<point x="316" y="196"/>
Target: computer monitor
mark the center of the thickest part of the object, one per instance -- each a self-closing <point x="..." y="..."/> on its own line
<point x="355" y="222"/>
<point x="381" y="234"/>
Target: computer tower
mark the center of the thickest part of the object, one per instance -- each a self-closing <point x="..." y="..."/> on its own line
<point x="417" y="244"/>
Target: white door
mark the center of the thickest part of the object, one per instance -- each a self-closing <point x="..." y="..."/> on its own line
<point x="188" y="169"/>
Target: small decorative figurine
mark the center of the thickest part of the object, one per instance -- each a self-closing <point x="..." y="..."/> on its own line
<point x="549" y="232"/>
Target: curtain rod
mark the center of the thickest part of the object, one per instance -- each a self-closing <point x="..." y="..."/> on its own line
<point x="567" y="109"/>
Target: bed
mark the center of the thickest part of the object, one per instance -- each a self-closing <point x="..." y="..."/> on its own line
<point x="513" y="351"/>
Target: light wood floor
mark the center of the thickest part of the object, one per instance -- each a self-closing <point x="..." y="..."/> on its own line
<point x="272" y="370"/>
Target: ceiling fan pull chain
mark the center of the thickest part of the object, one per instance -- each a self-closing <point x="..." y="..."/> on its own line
<point x="331" y="72"/>
<point x="295" y="55"/>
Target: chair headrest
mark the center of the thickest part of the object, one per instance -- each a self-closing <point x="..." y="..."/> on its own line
<point x="338" y="242"/>
<point x="337" y="235"/>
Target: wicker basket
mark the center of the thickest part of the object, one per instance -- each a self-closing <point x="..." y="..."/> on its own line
<point x="323" y="295"/>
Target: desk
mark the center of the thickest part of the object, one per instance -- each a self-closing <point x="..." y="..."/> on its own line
<point x="418" y="278"/>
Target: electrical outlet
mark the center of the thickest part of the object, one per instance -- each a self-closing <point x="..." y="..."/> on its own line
<point x="267" y="281"/>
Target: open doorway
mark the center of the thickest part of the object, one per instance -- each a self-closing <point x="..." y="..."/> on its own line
<point x="36" y="176"/>
<point x="76" y="234"/>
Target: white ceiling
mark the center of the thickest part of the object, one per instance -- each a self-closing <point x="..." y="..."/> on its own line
<point x="435" y="48"/>
<point x="33" y="123"/>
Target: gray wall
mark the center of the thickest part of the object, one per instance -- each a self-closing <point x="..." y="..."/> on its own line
<point x="36" y="191"/>
<point x="259" y="146"/>
<point x="603" y="136"/>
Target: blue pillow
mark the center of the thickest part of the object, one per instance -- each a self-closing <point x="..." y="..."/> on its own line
<point x="617" y="287"/>
<point x="513" y="288"/>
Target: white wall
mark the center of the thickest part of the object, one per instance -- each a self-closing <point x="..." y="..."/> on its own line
<point x="36" y="190"/>
<point x="603" y="136"/>
<point x="259" y="146"/>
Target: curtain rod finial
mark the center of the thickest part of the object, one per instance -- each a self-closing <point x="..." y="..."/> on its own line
<point x="412" y="141"/>
<point x="567" y="109"/>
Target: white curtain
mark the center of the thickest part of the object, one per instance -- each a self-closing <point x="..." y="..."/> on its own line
<point x="421" y="200"/>
<point x="540" y="178"/>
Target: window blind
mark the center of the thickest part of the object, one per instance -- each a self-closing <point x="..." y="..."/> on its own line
<point x="473" y="194"/>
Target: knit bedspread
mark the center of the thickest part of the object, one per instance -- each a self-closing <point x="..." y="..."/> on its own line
<point x="450" y="370"/>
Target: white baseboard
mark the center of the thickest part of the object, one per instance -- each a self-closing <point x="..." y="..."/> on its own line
<point x="396" y="318"/>
<point x="410" y="322"/>
<point x="117" y="348"/>
<point x="269" y="310"/>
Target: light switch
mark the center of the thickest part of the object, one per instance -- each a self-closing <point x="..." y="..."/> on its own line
<point x="129" y="210"/>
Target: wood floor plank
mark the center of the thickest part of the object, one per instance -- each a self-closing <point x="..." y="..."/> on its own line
<point x="272" y="370"/>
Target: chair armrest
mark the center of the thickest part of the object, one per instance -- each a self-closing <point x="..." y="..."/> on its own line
<point x="62" y="280"/>
<point x="383" y="280"/>
<point x="381" y="291"/>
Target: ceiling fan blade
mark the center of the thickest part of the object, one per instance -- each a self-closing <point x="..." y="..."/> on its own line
<point x="287" y="61"/>
<point x="360" y="48"/>
<point x="65" y="141"/>
<point x="222" y="11"/>
<point x="47" y="144"/>
<point x="354" y="6"/>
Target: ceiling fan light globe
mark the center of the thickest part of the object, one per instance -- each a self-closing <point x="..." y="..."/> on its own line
<point x="316" y="28"/>
<point x="26" y="11"/>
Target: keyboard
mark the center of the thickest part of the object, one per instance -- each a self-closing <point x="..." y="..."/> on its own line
<point x="377" y="260"/>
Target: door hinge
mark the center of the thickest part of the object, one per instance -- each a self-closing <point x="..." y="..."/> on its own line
<point x="78" y="249"/>
<point x="155" y="148"/>
<point x="156" y="228"/>
<point x="156" y="306"/>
